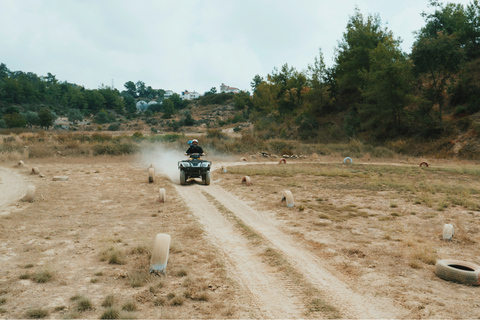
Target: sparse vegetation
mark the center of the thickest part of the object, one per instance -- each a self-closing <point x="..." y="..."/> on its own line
<point x="83" y="304"/>
<point x="110" y="313"/>
<point x="42" y="276"/>
<point x="113" y="255"/>
<point x="37" y="313"/>
<point x="129" y="306"/>
<point x="109" y="301"/>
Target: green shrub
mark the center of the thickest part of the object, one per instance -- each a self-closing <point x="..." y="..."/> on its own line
<point x="113" y="127"/>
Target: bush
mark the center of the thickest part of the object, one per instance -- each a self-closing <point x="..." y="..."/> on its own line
<point x="220" y="98"/>
<point x="113" y="127"/>
<point x="174" y="125"/>
<point x="114" y="149"/>
<point x="215" y="133"/>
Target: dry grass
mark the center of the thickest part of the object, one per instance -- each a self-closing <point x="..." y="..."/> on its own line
<point x="395" y="212"/>
<point x="342" y="209"/>
<point x="37" y="313"/>
<point x="113" y="255"/>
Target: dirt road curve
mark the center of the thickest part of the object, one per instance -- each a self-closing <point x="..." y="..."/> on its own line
<point x="12" y="188"/>
<point x="275" y="297"/>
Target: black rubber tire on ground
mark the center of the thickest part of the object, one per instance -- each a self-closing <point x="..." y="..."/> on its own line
<point x="207" y="178"/>
<point x="458" y="271"/>
<point x="182" y="177"/>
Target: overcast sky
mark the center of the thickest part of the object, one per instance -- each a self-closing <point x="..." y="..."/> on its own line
<point x="184" y="44"/>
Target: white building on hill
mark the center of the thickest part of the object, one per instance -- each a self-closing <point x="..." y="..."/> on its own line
<point x="168" y="94"/>
<point x="187" y="95"/>
<point x="227" y="89"/>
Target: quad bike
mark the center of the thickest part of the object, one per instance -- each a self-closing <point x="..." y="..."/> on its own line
<point x="194" y="167"/>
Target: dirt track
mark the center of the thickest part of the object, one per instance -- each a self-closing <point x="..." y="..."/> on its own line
<point x="276" y="297"/>
<point x="108" y="202"/>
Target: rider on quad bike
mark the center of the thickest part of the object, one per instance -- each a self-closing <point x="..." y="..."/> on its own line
<point x="194" y="167"/>
<point x="195" y="148"/>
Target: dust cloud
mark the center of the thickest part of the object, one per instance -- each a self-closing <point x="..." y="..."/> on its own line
<point x="165" y="161"/>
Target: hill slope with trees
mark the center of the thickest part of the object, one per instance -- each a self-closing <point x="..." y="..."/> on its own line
<point x="374" y="92"/>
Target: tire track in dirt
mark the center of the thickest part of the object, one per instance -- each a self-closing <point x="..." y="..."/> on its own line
<point x="271" y="295"/>
<point x="350" y="303"/>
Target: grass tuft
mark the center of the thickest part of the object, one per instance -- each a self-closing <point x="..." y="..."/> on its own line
<point x="130" y="306"/>
<point x="110" y="313"/>
<point x="42" y="276"/>
<point x="37" y="313"/>
<point x="84" y="304"/>
<point x="138" y="278"/>
<point x="109" y="301"/>
<point x="177" y="301"/>
<point x="113" y="255"/>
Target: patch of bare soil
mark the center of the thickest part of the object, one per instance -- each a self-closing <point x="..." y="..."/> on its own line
<point x="354" y="246"/>
<point x="13" y="187"/>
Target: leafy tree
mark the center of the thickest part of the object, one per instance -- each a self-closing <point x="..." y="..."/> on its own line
<point x="173" y="125"/>
<point x="168" y="109"/>
<point x="104" y="117"/>
<point x="141" y="89"/>
<point x="242" y="100"/>
<point x="154" y="107"/>
<point x="178" y="102"/>
<point x="112" y="98"/>
<point x="47" y="117"/>
<point x="3" y="125"/>
<point x="187" y="120"/>
<point x="387" y="91"/>
<point x="74" y="115"/>
<point x="317" y="81"/>
<point x="449" y="19"/>
<point x="265" y="97"/>
<point x="466" y="91"/>
<point x="32" y="118"/>
<point x="10" y="109"/>
<point x="439" y="59"/>
<point x="95" y="101"/>
<point x="473" y="31"/>
<point x="129" y="102"/>
<point x="11" y="91"/>
<point x="131" y="88"/>
<point x="4" y="71"/>
<point x="256" y="82"/>
<point x="14" y="120"/>
<point x="352" y="122"/>
<point x="353" y="55"/>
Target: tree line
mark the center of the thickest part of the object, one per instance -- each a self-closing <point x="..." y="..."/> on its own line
<point x="378" y="91"/>
<point x="26" y="99"/>
<point x="382" y="91"/>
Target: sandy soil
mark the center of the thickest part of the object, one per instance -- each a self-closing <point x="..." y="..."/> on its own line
<point x="13" y="187"/>
<point x="359" y="267"/>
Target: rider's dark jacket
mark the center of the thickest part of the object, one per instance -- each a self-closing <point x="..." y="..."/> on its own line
<point x="194" y="149"/>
